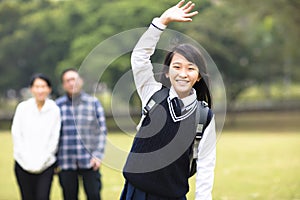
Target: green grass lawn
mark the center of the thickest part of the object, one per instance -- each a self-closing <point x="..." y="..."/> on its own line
<point x="253" y="162"/>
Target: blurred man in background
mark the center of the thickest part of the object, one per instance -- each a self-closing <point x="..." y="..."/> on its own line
<point x="82" y="140"/>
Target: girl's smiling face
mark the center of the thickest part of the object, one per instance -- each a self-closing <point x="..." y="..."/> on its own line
<point x="183" y="74"/>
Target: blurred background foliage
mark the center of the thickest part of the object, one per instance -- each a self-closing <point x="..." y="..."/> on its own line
<point x="254" y="43"/>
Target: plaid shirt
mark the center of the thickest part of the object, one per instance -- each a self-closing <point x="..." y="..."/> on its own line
<point x="83" y="131"/>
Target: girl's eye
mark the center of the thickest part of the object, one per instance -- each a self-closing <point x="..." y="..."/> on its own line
<point x="192" y="68"/>
<point x="176" y="66"/>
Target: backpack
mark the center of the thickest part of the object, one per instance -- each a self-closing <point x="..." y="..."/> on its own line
<point x="200" y="122"/>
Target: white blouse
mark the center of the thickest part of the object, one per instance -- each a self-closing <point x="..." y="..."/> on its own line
<point x="35" y="135"/>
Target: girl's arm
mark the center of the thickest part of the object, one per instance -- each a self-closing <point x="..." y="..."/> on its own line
<point x="206" y="163"/>
<point x="140" y="59"/>
<point x="142" y="68"/>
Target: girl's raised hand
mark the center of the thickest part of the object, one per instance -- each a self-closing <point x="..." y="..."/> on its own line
<point x="179" y="13"/>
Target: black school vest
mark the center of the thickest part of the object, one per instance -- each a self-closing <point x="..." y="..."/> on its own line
<point x="158" y="162"/>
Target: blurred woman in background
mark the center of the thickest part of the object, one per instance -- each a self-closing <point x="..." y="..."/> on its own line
<point x="35" y="131"/>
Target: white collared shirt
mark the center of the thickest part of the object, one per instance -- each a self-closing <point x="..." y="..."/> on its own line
<point x="35" y="135"/>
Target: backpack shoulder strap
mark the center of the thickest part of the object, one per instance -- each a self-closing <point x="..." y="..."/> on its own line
<point x="200" y="122"/>
<point x="202" y="118"/>
<point x="156" y="99"/>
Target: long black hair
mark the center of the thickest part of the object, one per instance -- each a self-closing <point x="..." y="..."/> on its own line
<point x="192" y="54"/>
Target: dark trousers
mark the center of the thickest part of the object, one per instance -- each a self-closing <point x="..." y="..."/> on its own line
<point x="91" y="182"/>
<point x="34" y="186"/>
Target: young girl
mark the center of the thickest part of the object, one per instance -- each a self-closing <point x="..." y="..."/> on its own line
<point x="158" y="164"/>
<point x="35" y="132"/>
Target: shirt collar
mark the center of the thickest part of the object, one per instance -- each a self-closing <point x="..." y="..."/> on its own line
<point x="45" y="107"/>
<point x="186" y="100"/>
<point x="75" y="99"/>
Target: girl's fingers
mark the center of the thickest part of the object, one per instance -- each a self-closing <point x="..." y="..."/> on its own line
<point x="189" y="8"/>
<point x="188" y="16"/>
<point x="187" y="5"/>
<point x="191" y="14"/>
<point x="179" y="13"/>
<point x="180" y="3"/>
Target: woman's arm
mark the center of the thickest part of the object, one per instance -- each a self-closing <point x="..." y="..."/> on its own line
<point x="16" y="131"/>
<point x="55" y="130"/>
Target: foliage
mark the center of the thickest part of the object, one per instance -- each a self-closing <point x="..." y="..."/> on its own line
<point x="249" y="47"/>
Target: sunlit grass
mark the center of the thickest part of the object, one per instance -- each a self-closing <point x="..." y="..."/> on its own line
<point x="255" y="162"/>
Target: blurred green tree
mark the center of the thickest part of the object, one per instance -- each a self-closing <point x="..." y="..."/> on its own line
<point x="252" y="42"/>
